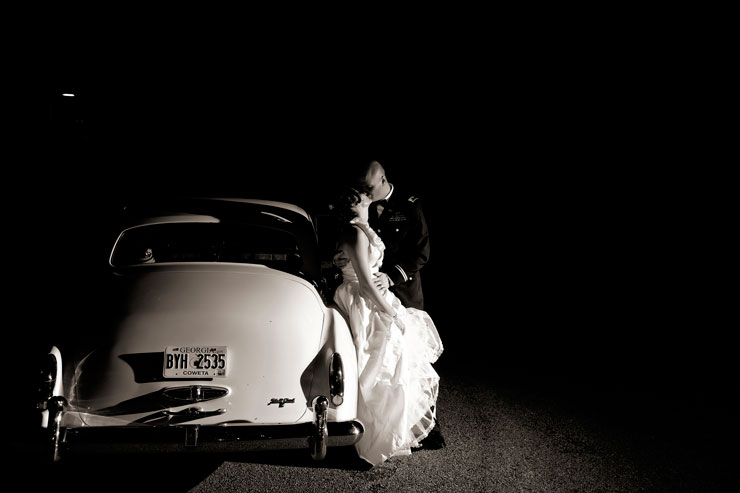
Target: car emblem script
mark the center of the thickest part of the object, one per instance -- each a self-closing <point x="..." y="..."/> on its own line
<point x="281" y="402"/>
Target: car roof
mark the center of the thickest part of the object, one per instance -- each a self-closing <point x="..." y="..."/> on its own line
<point x="285" y="216"/>
<point x="207" y="209"/>
<point x="271" y="203"/>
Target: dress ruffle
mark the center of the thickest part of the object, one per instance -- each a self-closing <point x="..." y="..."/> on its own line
<point x="398" y="384"/>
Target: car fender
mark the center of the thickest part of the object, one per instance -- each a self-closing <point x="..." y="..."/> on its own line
<point x="336" y="338"/>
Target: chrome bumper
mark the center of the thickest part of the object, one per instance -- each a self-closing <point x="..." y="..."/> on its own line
<point x="202" y="438"/>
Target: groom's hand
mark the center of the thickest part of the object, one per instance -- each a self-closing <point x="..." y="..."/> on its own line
<point x="340" y="260"/>
<point x="382" y="281"/>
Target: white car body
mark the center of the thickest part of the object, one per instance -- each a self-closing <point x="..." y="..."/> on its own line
<point x="282" y="384"/>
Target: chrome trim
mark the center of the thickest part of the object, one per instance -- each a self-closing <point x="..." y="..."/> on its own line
<point x="195" y="393"/>
<point x="207" y="438"/>
<point x="195" y="412"/>
<point x="282" y="401"/>
<point x="167" y="417"/>
<point x="317" y="440"/>
<point x="52" y="452"/>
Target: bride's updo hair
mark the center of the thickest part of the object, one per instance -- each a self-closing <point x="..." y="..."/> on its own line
<point x="343" y="203"/>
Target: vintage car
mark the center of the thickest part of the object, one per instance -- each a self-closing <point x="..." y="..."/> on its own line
<point x="219" y="338"/>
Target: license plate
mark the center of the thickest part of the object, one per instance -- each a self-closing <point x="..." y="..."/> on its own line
<point x="194" y="361"/>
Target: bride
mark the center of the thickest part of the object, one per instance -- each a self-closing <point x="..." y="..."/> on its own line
<point x="396" y="346"/>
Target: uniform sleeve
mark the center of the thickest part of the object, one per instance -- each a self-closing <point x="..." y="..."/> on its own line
<point x="414" y="251"/>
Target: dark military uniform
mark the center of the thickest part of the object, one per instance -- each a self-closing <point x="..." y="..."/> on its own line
<point x="403" y="229"/>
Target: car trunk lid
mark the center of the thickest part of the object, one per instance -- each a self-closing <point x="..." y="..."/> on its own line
<point x="267" y="324"/>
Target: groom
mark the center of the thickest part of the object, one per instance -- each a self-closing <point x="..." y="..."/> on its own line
<point x="399" y="221"/>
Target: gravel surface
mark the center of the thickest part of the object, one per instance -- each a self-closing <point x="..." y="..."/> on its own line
<point x="501" y="436"/>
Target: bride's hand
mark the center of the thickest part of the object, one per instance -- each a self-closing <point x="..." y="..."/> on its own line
<point x="382" y="281"/>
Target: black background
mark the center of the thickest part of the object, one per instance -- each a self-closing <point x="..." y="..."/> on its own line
<point x="559" y="181"/>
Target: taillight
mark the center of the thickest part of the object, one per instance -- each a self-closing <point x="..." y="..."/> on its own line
<point x="336" y="379"/>
<point x="49" y="399"/>
<point x="47" y="380"/>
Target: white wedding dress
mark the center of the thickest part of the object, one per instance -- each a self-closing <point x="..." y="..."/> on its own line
<point x="398" y="385"/>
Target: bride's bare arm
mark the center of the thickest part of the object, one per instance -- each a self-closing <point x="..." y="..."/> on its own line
<point x="357" y="247"/>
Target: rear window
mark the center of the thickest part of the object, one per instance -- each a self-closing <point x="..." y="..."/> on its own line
<point x="207" y="242"/>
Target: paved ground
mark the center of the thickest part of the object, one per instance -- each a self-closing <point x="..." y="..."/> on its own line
<point x="508" y="435"/>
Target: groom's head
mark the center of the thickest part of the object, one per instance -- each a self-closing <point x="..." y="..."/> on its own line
<point x="373" y="180"/>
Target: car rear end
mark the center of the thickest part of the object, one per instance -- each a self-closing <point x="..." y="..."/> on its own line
<point x="208" y="357"/>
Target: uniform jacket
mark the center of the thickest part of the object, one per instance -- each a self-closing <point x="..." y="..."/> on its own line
<point x="403" y="229"/>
